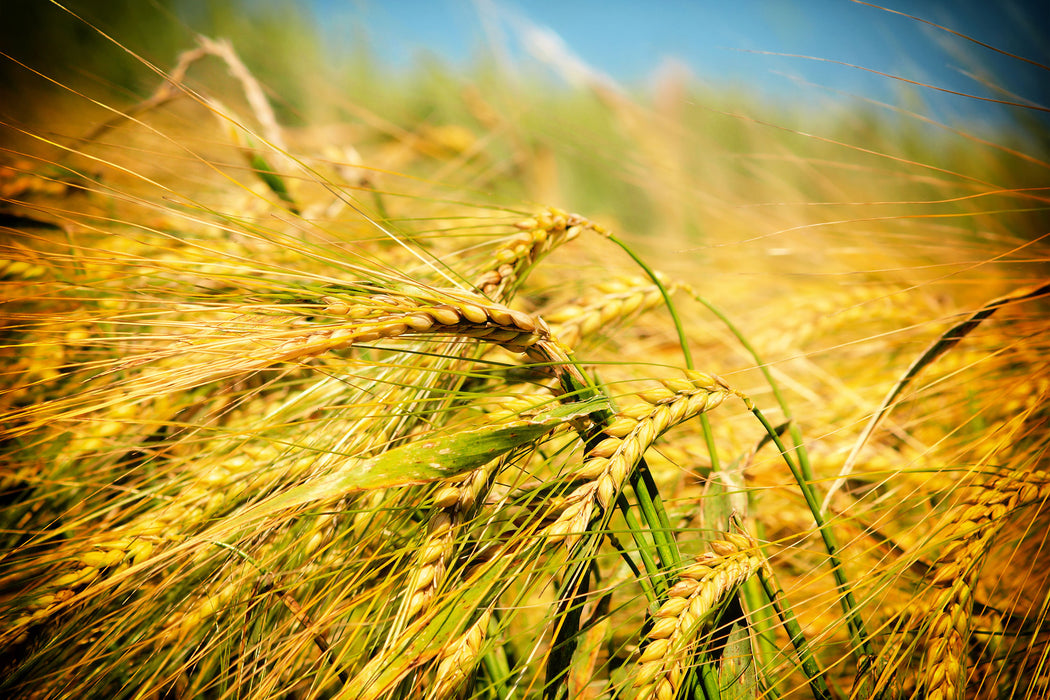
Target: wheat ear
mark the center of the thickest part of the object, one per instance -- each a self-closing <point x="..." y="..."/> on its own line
<point x="384" y="316"/>
<point x="453" y="503"/>
<point x="538" y="236"/>
<point x="943" y="611"/>
<point x="573" y="322"/>
<point x="459" y="658"/>
<point x="608" y="464"/>
<point x="689" y="612"/>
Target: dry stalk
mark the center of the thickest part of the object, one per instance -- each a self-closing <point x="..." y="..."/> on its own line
<point x="689" y="613"/>
<point x="259" y="343"/>
<point x="87" y="567"/>
<point x="173" y="87"/>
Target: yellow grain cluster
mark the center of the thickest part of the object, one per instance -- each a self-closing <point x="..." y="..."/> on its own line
<point x="615" y="302"/>
<point x="682" y="621"/>
<point x="459" y="658"/>
<point x="608" y="464"/>
<point x="939" y="617"/>
<point x="538" y="236"/>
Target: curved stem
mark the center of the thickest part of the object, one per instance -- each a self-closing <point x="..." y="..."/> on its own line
<point x="858" y="634"/>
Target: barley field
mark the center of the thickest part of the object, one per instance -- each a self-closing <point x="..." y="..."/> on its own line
<point x="448" y="385"/>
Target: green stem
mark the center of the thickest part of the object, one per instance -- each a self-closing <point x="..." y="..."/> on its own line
<point x="496" y="664"/>
<point x="776" y="596"/>
<point x="858" y="635"/>
<point x="803" y="473"/>
<point x="655" y="515"/>
<point x="758" y="613"/>
<point x="571" y="600"/>
<point x="796" y="434"/>
<point x="645" y="549"/>
<point x="682" y="340"/>
<point x="758" y="619"/>
<point x="667" y="299"/>
<point x="709" y="680"/>
<point x="643" y="580"/>
<point x="709" y="440"/>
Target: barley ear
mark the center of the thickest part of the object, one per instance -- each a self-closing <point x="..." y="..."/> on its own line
<point x="942" y="613"/>
<point x="627" y="437"/>
<point x="682" y="623"/>
<point x="459" y="658"/>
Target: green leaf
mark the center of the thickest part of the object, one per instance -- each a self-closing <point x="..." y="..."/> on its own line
<point x="446" y="456"/>
<point x="432" y="459"/>
<point x="272" y="179"/>
<point x="737" y="676"/>
<point x="269" y="175"/>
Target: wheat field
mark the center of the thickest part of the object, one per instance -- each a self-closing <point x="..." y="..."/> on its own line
<point x="463" y="387"/>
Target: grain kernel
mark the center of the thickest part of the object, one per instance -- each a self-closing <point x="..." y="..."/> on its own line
<point x="501" y="316"/>
<point x="657" y="396"/>
<point x="606" y="491"/>
<point x="622" y="427"/>
<point x="445" y="315"/>
<point x="337" y="307"/>
<point x="418" y="322"/>
<point x="474" y="314"/>
<point x="522" y="320"/>
<point x="679" y="386"/>
<point x="654" y="651"/>
<point x="663" y="628"/>
<point x="446" y="497"/>
<point x="606" y="448"/>
<point x="672" y="608"/>
<point x="366" y="334"/>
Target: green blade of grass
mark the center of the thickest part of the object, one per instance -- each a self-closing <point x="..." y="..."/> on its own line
<point x="657" y="521"/>
<point x="271" y="178"/>
<point x="776" y="596"/>
<point x="861" y="645"/>
<point x="679" y="328"/>
<point x="436" y="458"/>
<point x="653" y="573"/>
<point x="796" y="434"/>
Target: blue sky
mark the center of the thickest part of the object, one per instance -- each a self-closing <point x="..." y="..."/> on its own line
<point x="719" y="41"/>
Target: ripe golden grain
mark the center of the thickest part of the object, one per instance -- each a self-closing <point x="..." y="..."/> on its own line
<point x="612" y="460"/>
<point x="458" y="659"/>
<point x="942" y="613"/>
<point x="687" y="615"/>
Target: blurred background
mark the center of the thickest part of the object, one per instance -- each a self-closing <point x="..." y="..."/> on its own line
<point x="777" y="132"/>
<point x="793" y="50"/>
